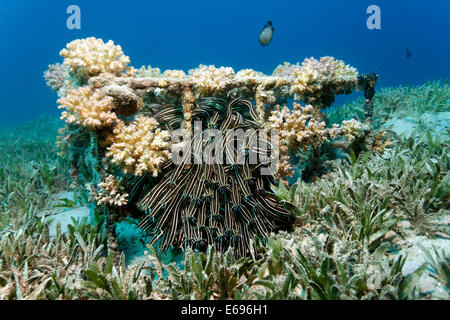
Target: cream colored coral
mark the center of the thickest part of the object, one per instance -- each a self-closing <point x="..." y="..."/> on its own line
<point x="210" y="80"/>
<point x="286" y="69"/>
<point x="381" y="141"/>
<point x="350" y="129"/>
<point x="109" y="192"/>
<point x="90" y="109"/>
<point x="284" y="168"/>
<point x="148" y="72"/>
<point x="315" y="82"/>
<point x="89" y="57"/>
<point x="301" y="127"/>
<point x="248" y="73"/>
<point x="188" y="102"/>
<point x="131" y="72"/>
<point x="313" y="74"/>
<point x="139" y="147"/>
<point x="175" y="74"/>
<point x="343" y="70"/>
<point x="298" y="127"/>
<point x="304" y="79"/>
<point x="66" y="87"/>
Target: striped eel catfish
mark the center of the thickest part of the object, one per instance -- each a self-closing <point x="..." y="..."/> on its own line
<point x="220" y="203"/>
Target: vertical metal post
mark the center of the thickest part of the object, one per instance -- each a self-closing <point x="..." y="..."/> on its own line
<point x="368" y="82"/>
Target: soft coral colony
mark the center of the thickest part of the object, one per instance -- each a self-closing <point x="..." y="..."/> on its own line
<point x="119" y="123"/>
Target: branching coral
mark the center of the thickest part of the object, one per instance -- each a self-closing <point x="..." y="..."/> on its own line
<point x="89" y="57"/>
<point x="303" y="127"/>
<point x="109" y="192"/>
<point x="193" y="205"/>
<point x="285" y="167"/>
<point x="140" y="146"/>
<point x="210" y="80"/>
<point x="286" y="69"/>
<point x="148" y="72"/>
<point x="300" y="127"/>
<point x="351" y="129"/>
<point x="175" y="74"/>
<point x="327" y="69"/>
<point x="379" y="142"/>
<point x="248" y="74"/>
<point x="188" y="102"/>
<point x="87" y="108"/>
<point x="327" y="76"/>
<point x="56" y="75"/>
<point x="315" y="82"/>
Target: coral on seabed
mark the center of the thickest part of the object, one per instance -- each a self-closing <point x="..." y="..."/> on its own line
<point x="87" y="108"/>
<point x="140" y="146"/>
<point x="350" y="129"/>
<point x="109" y="192"/>
<point x="326" y="74"/>
<point x="285" y="167"/>
<point x="55" y="75"/>
<point x="210" y="80"/>
<point x="314" y="82"/>
<point x="303" y="127"/>
<point x="286" y="69"/>
<point x="299" y="127"/>
<point x="361" y="137"/>
<point x="248" y="73"/>
<point x="148" y="72"/>
<point x="381" y="141"/>
<point x="89" y="57"/>
<point x="188" y="105"/>
<point x="132" y="113"/>
<point x="175" y="74"/>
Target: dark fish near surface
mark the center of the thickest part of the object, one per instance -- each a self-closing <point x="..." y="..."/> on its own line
<point x="408" y="53"/>
<point x="266" y="34"/>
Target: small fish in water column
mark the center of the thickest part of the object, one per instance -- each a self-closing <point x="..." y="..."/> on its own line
<point x="408" y="53"/>
<point x="266" y="34"/>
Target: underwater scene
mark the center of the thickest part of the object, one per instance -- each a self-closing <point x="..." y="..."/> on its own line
<point x="225" y="150"/>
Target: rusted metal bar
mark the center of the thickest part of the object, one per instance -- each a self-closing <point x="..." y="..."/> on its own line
<point x="368" y="82"/>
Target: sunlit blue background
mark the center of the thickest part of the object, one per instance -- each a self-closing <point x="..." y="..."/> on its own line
<point x="183" y="34"/>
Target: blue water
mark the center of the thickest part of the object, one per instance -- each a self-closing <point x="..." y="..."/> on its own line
<point x="183" y="34"/>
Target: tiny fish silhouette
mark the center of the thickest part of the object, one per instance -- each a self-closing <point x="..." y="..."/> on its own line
<point x="266" y="34"/>
<point x="408" y="53"/>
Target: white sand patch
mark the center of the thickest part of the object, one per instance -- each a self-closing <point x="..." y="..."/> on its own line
<point x="63" y="216"/>
<point x="416" y="257"/>
<point x="437" y="123"/>
<point x="404" y="126"/>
